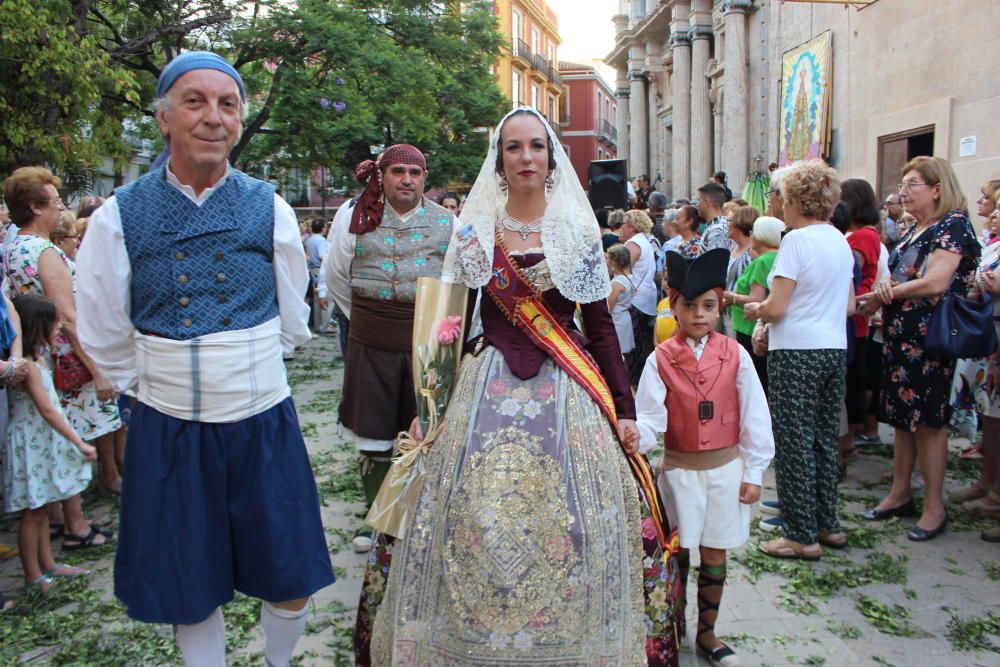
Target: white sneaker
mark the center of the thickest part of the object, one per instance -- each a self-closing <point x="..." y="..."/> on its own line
<point x="362" y="543"/>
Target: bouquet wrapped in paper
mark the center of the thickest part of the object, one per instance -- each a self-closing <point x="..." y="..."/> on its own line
<point x="438" y="325"/>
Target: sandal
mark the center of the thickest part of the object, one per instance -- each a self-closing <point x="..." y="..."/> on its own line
<point x="832" y="540"/>
<point x="7" y="551"/>
<point x="785" y="548"/>
<point x="85" y="542"/>
<point x="40" y="585"/>
<point x="74" y="571"/>
<point x="6" y="603"/>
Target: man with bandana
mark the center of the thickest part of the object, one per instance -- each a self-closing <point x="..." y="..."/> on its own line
<point x="190" y="288"/>
<point x="378" y="247"/>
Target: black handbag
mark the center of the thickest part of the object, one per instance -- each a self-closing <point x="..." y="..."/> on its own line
<point x="962" y="328"/>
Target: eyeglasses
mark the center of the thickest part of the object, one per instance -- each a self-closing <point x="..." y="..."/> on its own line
<point x="909" y="185"/>
<point x="773" y="192"/>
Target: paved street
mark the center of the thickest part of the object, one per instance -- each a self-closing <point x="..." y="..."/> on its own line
<point x="886" y="601"/>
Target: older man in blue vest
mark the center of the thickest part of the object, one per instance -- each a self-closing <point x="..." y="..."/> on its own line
<point x="190" y="287"/>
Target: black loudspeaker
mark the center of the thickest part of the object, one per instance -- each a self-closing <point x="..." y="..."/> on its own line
<point x="606" y="184"/>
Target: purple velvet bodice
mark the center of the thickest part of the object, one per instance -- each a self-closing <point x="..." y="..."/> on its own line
<point x="524" y="358"/>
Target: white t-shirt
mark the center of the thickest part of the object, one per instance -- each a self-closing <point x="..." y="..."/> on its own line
<point x="644" y="275"/>
<point x="820" y="262"/>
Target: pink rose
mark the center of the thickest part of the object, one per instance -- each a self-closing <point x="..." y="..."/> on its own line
<point x="648" y="529"/>
<point x="449" y="329"/>
<point x="498" y="387"/>
<point x="546" y="390"/>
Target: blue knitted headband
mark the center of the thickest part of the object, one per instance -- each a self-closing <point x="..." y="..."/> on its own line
<point x="193" y="60"/>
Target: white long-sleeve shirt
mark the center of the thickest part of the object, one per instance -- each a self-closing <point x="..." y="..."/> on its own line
<point x="756" y="444"/>
<point x="103" y="289"/>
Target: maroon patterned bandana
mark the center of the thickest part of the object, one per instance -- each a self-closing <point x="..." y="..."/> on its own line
<point x="367" y="215"/>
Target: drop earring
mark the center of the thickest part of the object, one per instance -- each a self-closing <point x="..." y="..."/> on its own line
<point x="550" y="182"/>
<point x="503" y="183"/>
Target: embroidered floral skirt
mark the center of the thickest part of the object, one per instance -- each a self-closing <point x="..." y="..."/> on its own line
<point x="526" y="545"/>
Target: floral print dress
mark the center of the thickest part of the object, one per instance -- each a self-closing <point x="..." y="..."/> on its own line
<point x="89" y="417"/>
<point x="39" y="465"/>
<point x="917" y="385"/>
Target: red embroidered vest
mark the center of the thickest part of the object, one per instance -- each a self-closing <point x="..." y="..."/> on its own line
<point x="715" y="378"/>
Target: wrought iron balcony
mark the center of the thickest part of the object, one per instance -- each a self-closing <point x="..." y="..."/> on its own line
<point x="520" y="49"/>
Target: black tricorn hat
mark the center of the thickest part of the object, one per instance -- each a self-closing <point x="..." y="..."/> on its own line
<point x="693" y="277"/>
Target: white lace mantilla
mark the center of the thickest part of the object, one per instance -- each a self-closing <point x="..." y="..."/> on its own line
<point x="570" y="235"/>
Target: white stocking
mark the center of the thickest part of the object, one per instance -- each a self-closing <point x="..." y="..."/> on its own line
<point x="203" y="644"/>
<point x="282" y="629"/>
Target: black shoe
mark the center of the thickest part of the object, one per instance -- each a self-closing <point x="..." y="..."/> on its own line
<point x="918" y="534"/>
<point x="720" y="657"/>
<point x="907" y="509"/>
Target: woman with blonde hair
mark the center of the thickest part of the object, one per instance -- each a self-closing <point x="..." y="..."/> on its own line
<point x="65" y="236"/>
<point x="636" y="236"/>
<point x="937" y="254"/>
<point x="811" y="294"/>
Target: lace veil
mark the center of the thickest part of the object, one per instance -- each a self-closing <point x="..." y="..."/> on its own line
<point x="570" y="235"/>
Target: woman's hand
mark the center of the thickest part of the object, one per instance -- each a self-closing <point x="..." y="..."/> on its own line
<point x="105" y="390"/>
<point x="992" y="377"/>
<point x="416" y="431"/>
<point x="728" y="298"/>
<point x="751" y="310"/>
<point x="867" y="304"/>
<point x="758" y="341"/>
<point x="628" y="433"/>
<point x="883" y="291"/>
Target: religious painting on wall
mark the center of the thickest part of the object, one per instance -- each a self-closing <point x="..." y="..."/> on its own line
<point x="806" y="85"/>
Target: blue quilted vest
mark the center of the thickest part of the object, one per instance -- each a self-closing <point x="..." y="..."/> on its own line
<point x="198" y="270"/>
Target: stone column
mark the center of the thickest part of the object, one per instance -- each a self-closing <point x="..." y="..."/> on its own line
<point x="735" y="115"/>
<point x="681" y="87"/>
<point x="621" y="117"/>
<point x="638" y="144"/>
<point x="654" y="68"/>
<point x="701" y="107"/>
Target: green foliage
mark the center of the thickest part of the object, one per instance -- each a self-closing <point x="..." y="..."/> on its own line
<point x="973" y="634"/>
<point x="54" y="74"/>
<point x="890" y="620"/>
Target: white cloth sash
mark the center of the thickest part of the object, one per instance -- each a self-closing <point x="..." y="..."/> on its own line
<point x="218" y="378"/>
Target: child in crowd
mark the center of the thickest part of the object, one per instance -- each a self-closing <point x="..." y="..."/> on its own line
<point x="622" y="291"/>
<point x="44" y="460"/>
<point x="700" y="389"/>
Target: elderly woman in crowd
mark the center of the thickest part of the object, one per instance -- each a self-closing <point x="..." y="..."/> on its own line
<point x="977" y="381"/>
<point x="811" y="294"/>
<point x="688" y="222"/>
<point x="740" y="228"/>
<point x="751" y="287"/>
<point x="936" y="254"/>
<point x="65" y="236"/>
<point x="635" y="235"/>
<point x="36" y="266"/>
<point x="775" y="205"/>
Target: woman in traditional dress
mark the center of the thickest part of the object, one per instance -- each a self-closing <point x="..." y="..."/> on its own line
<point x="525" y="545"/>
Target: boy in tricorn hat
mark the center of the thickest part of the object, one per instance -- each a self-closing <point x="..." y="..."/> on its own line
<point x="700" y="390"/>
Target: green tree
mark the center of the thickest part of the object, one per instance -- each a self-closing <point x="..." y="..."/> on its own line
<point x="53" y="74"/>
<point x="336" y="78"/>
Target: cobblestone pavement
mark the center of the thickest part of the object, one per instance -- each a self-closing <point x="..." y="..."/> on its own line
<point x="884" y="601"/>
